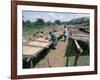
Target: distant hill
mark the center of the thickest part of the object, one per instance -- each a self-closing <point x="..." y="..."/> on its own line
<point x="82" y="20"/>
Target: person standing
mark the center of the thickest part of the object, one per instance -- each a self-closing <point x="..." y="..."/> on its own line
<point x="65" y="33"/>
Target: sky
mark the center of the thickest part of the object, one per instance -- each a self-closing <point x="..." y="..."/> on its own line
<point x="51" y="16"/>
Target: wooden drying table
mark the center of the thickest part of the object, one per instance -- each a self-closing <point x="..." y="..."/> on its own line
<point x="79" y="36"/>
<point x="33" y="48"/>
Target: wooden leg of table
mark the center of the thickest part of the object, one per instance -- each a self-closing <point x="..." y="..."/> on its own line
<point x="31" y="64"/>
<point x="67" y="61"/>
<point x="76" y="59"/>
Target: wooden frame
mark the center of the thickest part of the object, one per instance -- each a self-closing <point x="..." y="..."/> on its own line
<point x="14" y="35"/>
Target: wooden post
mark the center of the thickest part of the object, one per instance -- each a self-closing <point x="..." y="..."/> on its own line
<point x="78" y="47"/>
<point x="78" y="54"/>
<point x="67" y="60"/>
<point x="31" y="63"/>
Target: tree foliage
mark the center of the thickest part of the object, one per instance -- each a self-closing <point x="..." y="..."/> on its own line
<point x="58" y="22"/>
<point x="39" y="22"/>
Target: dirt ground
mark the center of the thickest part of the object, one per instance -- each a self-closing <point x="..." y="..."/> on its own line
<point x="55" y="58"/>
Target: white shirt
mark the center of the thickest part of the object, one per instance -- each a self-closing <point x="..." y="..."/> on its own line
<point x="65" y="29"/>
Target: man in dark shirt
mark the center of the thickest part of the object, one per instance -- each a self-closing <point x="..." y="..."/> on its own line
<point x="53" y="39"/>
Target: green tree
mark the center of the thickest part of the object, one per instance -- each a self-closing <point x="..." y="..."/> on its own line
<point x="39" y="22"/>
<point x="28" y="23"/>
<point x="23" y="22"/>
<point x="48" y="23"/>
<point x="58" y="22"/>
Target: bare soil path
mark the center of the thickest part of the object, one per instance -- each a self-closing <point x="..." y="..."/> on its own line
<point x="54" y="58"/>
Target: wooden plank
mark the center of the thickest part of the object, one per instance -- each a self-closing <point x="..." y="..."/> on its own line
<point x="80" y="35"/>
<point x="36" y="46"/>
<point x="39" y="43"/>
<point x="42" y="40"/>
<point x="85" y="39"/>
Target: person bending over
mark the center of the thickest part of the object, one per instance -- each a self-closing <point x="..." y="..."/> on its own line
<point x="54" y="40"/>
